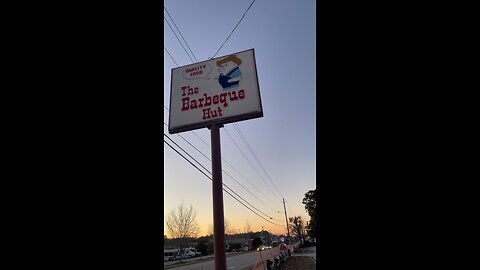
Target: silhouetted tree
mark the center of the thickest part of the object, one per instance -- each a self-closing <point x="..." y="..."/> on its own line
<point x="182" y="224"/>
<point x="202" y="247"/>
<point x="257" y="241"/>
<point x="247" y="228"/>
<point x="297" y="226"/>
<point x="310" y="201"/>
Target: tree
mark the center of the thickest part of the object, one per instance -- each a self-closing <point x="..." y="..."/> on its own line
<point x="310" y="201"/>
<point x="182" y="224"/>
<point x="297" y="227"/>
<point x="228" y="228"/>
<point x="202" y="247"/>
<point x="257" y="241"/>
<point x="210" y="229"/>
<point x="247" y="228"/>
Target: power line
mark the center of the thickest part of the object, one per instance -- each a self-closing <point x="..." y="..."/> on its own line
<point x="233" y="167"/>
<point x="274" y="211"/>
<point x="191" y="144"/>
<point x="212" y="180"/>
<point x="178" y="39"/>
<point x="289" y="209"/>
<point x="234" y="29"/>
<point x="187" y="153"/>
<point x="225" y="173"/>
<point x="170" y="57"/>
<point x="237" y="128"/>
<point x="238" y="147"/>
<point x="211" y="173"/>
<point x="179" y="32"/>
<point x="192" y="131"/>
<point x="201" y="139"/>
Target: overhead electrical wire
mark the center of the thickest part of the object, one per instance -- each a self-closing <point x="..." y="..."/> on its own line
<point x="238" y="147"/>
<point x="290" y="210"/>
<point x="201" y="139"/>
<point x="212" y="180"/>
<point x="178" y="39"/>
<point x="237" y="128"/>
<point x="253" y="169"/>
<point x="211" y="173"/>
<point x="168" y="13"/>
<point x="228" y="134"/>
<point x="265" y="196"/>
<point x="222" y="188"/>
<point x="194" y="133"/>
<point x="226" y="174"/>
<point x="234" y="28"/>
<point x="233" y="167"/>
<point x="170" y="55"/>
<point x="190" y="144"/>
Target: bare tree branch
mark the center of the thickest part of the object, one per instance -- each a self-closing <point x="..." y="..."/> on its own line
<point x="182" y="224"/>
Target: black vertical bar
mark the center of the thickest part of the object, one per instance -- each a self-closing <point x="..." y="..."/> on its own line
<point x="218" y="218"/>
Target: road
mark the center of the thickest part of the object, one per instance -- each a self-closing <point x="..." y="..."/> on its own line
<point x="239" y="261"/>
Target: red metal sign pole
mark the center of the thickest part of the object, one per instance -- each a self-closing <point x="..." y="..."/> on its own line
<point x="220" y="255"/>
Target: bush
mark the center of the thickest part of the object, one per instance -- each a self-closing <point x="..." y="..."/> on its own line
<point x="202" y="247"/>
<point x="210" y="249"/>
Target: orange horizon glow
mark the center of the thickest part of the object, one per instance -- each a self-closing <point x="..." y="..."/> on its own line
<point x="240" y="227"/>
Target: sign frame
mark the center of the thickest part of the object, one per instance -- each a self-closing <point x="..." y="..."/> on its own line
<point x="221" y="121"/>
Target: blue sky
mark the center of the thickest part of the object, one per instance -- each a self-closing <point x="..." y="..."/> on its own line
<point x="283" y="34"/>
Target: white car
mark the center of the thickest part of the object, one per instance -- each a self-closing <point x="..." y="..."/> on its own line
<point x="188" y="254"/>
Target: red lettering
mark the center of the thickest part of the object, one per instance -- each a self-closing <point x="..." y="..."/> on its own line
<point x="206" y="113"/>
<point x="214" y="115"/>
<point x="234" y="94"/>
<point x="208" y="100"/>
<point x="196" y="73"/>
<point x="185" y="103"/>
<point x="223" y="99"/>
<point x="193" y="104"/>
<point x="190" y="90"/>
<point x="241" y="94"/>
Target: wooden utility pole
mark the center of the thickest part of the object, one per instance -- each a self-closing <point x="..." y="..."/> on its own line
<point x="220" y="254"/>
<point x="286" y="220"/>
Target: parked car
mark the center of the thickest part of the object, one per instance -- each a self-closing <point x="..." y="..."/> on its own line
<point x="188" y="254"/>
<point x="194" y="251"/>
<point x="169" y="255"/>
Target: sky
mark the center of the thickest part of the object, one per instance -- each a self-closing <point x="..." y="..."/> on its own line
<point x="283" y="35"/>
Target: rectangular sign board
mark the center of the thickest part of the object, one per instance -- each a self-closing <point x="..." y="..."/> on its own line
<point x="218" y="91"/>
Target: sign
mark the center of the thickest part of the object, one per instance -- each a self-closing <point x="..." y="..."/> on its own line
<point x="218" y="91"/>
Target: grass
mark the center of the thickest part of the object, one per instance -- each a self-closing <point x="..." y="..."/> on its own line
<point x="297" y="263"/>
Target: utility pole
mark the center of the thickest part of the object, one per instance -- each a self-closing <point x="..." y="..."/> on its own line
<point x="286" y="220"/>
<point x="220" y="256"/>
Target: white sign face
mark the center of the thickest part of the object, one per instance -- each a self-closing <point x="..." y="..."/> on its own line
<point x="217" y="91"/>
